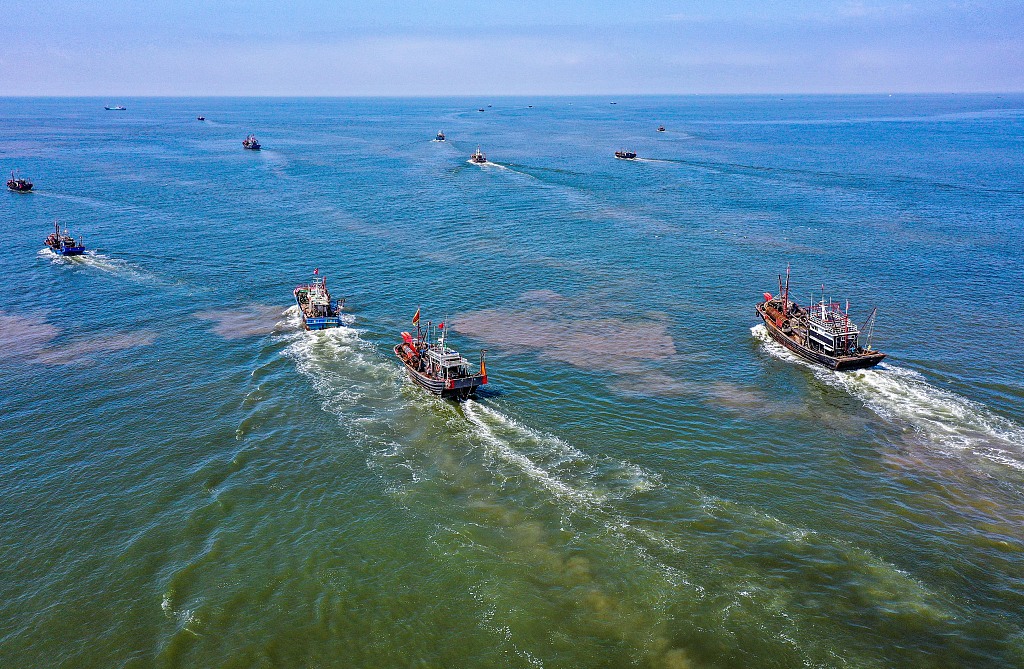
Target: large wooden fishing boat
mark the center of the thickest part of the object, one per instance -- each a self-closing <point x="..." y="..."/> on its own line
<point x="478" y="156"/>
<point x="318" y="310"/>
<point x="434" y="366"/>
<point x="63" y="243"/>
<point x="625" y="155"/>
<point x="823" y="333"/>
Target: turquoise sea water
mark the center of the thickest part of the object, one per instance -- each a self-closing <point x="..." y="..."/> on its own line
<point x="189" y="480"/>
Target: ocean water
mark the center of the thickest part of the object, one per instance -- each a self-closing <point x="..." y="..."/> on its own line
<point x="190" y="480"/>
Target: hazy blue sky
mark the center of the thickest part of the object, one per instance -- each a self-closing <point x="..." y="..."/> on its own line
<point x="428" y="47"/>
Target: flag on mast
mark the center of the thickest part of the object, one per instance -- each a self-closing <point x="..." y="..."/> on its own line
<point x="416" y="317"/>
<point x="316" y="271"/>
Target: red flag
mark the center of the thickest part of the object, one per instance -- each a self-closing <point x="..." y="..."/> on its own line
<point x="416" y="318"/>
<point x="316" y="271"/>
<point x="440" y="326"/>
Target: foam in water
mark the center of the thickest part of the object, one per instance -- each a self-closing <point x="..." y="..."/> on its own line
<point x="941" y="417"/>
<point x="94" y="260"/>
<point x="585" y="486"/>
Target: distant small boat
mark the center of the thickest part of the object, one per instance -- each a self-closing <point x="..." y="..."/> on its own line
<point x="440" y="136"/>
<point x="481" y="109"/>
<point x="530" y="106"/>
<point x="613" y="103"/>
<point x="116" y="108"/>
<point x="661" y="128"/>
<point x="251" y="143"/>
<point x="488" y="106"/>
<point x="478" y="156"/>
<point x="64" y="244"/>
<point x="18" y="184"/>
<point x="436" y="368"/>
<point x="626" y="155"/>
<point x="318" y="310"/>
<point x="200" y="118"/>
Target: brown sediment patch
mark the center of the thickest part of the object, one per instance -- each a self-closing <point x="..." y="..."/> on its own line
<point x="24" y="336"/>
<point x="734" y="396"/>
<point x="546" y="324"/>
<point x="600" y="344"/>
<point x="74" y="352"/>
<point x="29" y="337"/>
<point x="658" y="383"/>
<point x="258" y="319"/>
<point x="540" y="295"/>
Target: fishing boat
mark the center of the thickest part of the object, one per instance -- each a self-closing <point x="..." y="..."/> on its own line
<point x="822" y="333"/>
<point x="318" y="310"/>
<point x="18" y="184"/>
<point x="116" y="108"/>
<point x="481" y="109"/>
<point x="661" y="128"/>
<point x="478" y="157"/>
<point x="63" y="243"/>
<point x="436" y="367"/>
<point x="440" y="136"/>
<point x="626" y="155"/>
<point x="251" y="143"/>
<point x="200" y="118"/>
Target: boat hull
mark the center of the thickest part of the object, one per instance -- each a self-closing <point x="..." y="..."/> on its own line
<point x="324" y="323"/>
<point x="67" y="250"/>
<point x="20" y="189"/>
<point x="318" y="322"/>
<point x="838" y="363"/>
<point x="457" y="389"/>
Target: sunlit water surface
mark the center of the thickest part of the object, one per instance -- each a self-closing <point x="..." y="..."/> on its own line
<point x="190" y="480"/>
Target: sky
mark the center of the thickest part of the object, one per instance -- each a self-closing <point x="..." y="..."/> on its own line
<point x="505" y="47"/>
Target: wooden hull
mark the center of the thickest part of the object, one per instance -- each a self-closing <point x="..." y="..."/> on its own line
<point x="839" y="363"/>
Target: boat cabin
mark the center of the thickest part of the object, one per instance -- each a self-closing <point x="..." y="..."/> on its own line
<point x="831" y="331"/>
<point x="447" y="363"/>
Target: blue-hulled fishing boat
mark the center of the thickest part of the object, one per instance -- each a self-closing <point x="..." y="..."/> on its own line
<point x="318" y="310"/>
<point x="63" y="243"/>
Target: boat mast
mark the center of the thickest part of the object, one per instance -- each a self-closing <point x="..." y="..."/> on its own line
<point x="785" y="302"/>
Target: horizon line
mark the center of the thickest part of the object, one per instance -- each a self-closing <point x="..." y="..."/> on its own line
<point x="503" y="95"/>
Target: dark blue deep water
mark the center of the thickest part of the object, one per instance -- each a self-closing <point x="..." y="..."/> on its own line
<point x="190" y="480"/>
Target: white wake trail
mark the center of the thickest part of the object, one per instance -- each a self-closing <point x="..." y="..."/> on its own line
<point x="941" y="417"/>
